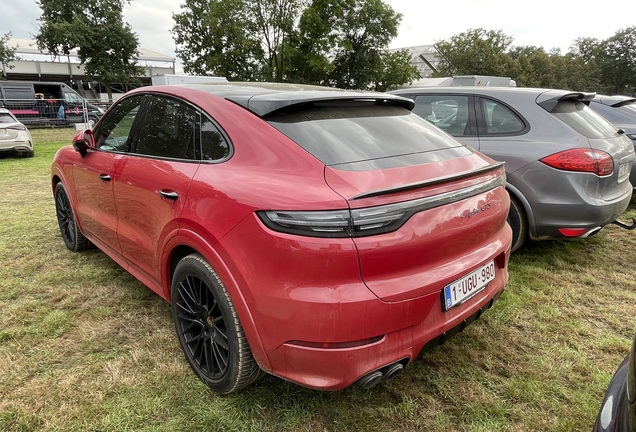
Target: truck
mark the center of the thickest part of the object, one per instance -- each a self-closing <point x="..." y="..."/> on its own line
<point x="47" y="103"/>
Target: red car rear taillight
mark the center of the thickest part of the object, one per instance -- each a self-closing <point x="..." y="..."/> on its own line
<point x="582" y="160"/>
<point x="369" y="220"/>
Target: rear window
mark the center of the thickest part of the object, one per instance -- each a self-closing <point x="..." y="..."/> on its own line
<point x="356" y="132"/>
<point x="625" y="114"/>
<point x="582" y="119"/>
<point x="6" y="118"/>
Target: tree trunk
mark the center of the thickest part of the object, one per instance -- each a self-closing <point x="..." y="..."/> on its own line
<point x="110" y="92"/>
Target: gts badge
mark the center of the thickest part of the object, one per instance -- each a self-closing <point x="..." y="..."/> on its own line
<point x="473" y="212"/>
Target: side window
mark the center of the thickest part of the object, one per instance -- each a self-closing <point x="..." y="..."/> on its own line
<point x="213" y="144"/>
<point x="72" y="98"/>
<point x="168" y="130"/>
<point x="500" y="119"/>
<point x="447" y="112"/>
<point x="114" y="132"/>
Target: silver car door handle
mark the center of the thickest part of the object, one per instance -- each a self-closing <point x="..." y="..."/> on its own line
<point x="169" y="195"/>
<point x="104" y="177"/>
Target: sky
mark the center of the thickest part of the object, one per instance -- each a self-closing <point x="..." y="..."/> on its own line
<point x="547" y="23"/>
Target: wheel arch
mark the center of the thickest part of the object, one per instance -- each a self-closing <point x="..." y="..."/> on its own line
<point x="519" y="196"/>
<point x="188" y="242"/>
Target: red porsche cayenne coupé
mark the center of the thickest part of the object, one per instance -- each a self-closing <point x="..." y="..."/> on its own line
<point x="323" y="236"/>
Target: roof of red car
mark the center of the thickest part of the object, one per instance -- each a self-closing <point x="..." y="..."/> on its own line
<point x="265" y="98"/>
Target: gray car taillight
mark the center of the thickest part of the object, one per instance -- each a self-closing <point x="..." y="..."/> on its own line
<point x="369" y="220"/>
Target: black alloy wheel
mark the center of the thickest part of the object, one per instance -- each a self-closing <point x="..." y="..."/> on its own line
<point x="208" y="328"/>
<point x="71" y="234"/>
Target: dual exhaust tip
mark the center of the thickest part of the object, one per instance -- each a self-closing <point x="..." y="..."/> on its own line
<point x="386" y="373"/>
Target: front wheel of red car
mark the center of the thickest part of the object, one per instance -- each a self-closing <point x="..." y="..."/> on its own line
<point x="208" y="328"/>
<point x="71" y="234"/>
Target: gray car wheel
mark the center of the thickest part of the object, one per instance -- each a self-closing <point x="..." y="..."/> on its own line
<point x="518" y="222"/>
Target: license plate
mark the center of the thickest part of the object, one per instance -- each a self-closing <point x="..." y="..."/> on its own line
<point x="622" y="169"/>
<point x="464" y="288"/>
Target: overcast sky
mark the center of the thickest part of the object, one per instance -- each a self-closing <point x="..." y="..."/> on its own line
<point x="547" y="23"/>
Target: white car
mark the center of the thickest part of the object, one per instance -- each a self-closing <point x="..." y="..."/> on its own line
<point x="14" y="136"/>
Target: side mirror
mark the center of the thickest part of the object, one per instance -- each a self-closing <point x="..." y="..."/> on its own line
<point x="83" y="141"/>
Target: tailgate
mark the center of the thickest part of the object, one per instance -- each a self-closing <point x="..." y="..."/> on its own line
<point x="449" y="224"/>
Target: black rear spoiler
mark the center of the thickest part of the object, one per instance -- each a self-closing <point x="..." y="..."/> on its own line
<point x="549" y="99"/>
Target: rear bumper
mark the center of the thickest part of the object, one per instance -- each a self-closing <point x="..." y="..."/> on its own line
<point x="567" y="200"/>
<point x="335" y="369"/>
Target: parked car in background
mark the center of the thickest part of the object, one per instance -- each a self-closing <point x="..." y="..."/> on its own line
<point x="620" y="110"/>
<point x="24" y="100"/>
<point x="567" y="167"/>
<point x="14" y="136"/>
<point x="323" y="236"/>
<point x="618" y="410"/>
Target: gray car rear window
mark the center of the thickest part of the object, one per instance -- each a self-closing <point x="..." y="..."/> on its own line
<point x="346" y="133"/>
<point x="582" y="119"/>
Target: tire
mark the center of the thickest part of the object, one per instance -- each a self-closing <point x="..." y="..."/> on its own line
<point x="28" y="154"/>
<point x="208" y="328"/>
<point x="71" y="234"/>
<point x="518" y="222"/>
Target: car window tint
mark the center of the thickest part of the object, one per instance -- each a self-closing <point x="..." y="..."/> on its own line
<point x="168" y="130"/>
<point x="584" y="120"/>
<point x="449" y="113"/>
<point x="213" y="144"/>
<point x="500" y="119"/>
<point x="114" y="131"/>
<point x="6" y="118"/>
<point x="340" y="133"/>
<point x="625" y="114"/>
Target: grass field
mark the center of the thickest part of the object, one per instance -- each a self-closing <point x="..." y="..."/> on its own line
<point x="85" y="347"/>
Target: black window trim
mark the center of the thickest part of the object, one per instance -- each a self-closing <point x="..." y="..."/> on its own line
<point x="140" y="119"/>
<point x="482" y="127"/>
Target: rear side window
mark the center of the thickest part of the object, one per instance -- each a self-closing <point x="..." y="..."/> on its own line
<point x="355" y="132"/>
<point x="582" y="119"/>
<point x="214" y="147"/>
<point x="500" y="120"/>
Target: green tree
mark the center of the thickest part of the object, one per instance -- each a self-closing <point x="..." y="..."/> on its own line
<point x="211" y="39"/>
<point x="325" y="42"/>
<point x="313" y="43"/>
<point x="618" y="61"/>
<point x="7" y="54"/>
<point x="361" y="61"/>
<point x="105" y="44"/>
<point x="475" y="52"/>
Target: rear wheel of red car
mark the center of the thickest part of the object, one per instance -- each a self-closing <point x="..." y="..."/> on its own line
<point x="209" y="329"/>
<point x="518" y="222"/>
<point x="71" y="234"/>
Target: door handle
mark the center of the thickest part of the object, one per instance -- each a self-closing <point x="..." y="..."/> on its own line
<point x="104" y="177"/>
<point x="169" y="195"/>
